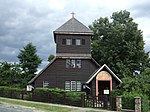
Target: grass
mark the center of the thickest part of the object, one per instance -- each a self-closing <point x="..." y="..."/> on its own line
<point x="38" y="106"/>
<point x="44" y="107"/>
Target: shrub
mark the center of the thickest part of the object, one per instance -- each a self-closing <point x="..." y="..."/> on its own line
<point x="10" y="92"/>
<point x="128" y="99"/>
<point x="58" y="96"/>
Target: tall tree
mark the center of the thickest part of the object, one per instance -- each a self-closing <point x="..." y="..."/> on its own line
<point x="119" y="44"/>
<point x="29" y="61"/>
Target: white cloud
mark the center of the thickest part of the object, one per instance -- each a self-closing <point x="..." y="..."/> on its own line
<point x="34" y="21"/>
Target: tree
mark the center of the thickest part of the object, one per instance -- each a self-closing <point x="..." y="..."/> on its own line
<point x="29" y="61"/>
<point x="10" y="74"/>
<point x="51" y="57"/>
<point x="119" y="44"/>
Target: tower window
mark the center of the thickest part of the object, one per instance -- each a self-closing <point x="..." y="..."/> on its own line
<point x="83" y="41"/>
<point x="78" y="42"/>
<point x="63" y="41"/>
<point x="68" y="42"/>
<point x="73" y="41"/>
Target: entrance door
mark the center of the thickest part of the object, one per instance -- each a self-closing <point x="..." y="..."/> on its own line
<point x="103" y="85"/>
<point x="103" y="82"/>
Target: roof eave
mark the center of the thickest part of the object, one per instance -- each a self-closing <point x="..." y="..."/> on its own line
<point x="94" y="75"/>
<point x="70" y="32"/>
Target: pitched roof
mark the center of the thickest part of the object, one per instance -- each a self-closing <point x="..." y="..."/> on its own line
<point x="73" y="26"/>
<point x="101" y="68"/>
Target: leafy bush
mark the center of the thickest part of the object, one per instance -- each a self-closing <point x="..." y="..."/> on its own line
<point x="55" y="95"/>
<point x="10" y="92"/>
<point x="128" y="99"/>
<point x="58" y="96"/>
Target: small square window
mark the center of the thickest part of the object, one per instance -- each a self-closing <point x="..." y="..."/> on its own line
<point x="63" y="41"/>
<point x="45" y="84"/>
<point x="68" y="41"/>
<point x="78" y="42"/>
<point x="73" y="41"/>
<point x="83" y="41"/>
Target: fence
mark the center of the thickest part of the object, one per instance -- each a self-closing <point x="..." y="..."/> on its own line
<point x="102" y="101"/>
<point x="69" y="98"/>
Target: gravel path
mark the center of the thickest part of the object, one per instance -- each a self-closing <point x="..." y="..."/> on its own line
<point x="4" y="107"/>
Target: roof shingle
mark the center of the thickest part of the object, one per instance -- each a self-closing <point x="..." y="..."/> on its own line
<point x="73" y="26"/>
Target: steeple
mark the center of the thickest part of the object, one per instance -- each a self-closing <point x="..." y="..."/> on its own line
<point x="73" y="39"/>
<point x="73" y="26"/>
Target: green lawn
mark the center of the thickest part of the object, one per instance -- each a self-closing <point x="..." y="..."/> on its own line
<point x="45" y="107"/>
<point x="42" y="107"/>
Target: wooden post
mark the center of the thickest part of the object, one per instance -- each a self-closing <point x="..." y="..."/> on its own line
<point x="118" y="103"/>
<point x="83" y="100"/>
<point x="137" y="104"/>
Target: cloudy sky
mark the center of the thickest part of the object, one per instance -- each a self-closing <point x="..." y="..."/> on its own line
<point x="24" y="21"/>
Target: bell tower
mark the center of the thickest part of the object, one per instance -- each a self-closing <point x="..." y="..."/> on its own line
<point x="73" y="39"/>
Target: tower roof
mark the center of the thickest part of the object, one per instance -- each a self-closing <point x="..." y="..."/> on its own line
<point x="73" y="26"/>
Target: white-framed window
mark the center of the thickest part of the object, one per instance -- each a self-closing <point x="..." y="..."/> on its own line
<point x="45" y="84"/>
<point x="73" y="85"/>
<point x="78" y="42"/>
<point x="73" y="63"/>
<point x="67" y="85"/>
<point x="67" y="63"/>
<point x="68" y="41"/>
<point x="78" y="63"/>
<point x="78" y="86"/>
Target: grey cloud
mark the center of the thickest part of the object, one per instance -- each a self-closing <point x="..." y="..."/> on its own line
<point x="22" y="23"/>
<point x="141" y="9"/>
<point x="34" y="21"/>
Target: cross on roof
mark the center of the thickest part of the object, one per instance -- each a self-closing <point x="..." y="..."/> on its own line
<point x="72" y="14"/>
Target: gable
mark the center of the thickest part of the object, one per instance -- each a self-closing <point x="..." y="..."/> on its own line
<point x="99" y="70"/>
<point x="57" y="68"/>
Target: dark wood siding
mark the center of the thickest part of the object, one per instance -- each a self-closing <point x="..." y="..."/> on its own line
<point x="57" y="73"/>
<point x="83" y="49"/>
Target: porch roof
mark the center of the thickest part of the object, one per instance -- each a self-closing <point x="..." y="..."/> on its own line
<point x="100" y="69"/>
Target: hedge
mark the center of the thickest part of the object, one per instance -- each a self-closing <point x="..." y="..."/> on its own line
<point x="55" y="95"/>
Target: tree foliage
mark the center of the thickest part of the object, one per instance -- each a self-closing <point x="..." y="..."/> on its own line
<point x="51" y="57"/>
<point x="10" y="74"/>
<point x="29" y="61"/>
<point x="119" y="43"/>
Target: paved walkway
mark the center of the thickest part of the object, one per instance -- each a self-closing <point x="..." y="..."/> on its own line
<point x="5" y="107"/>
